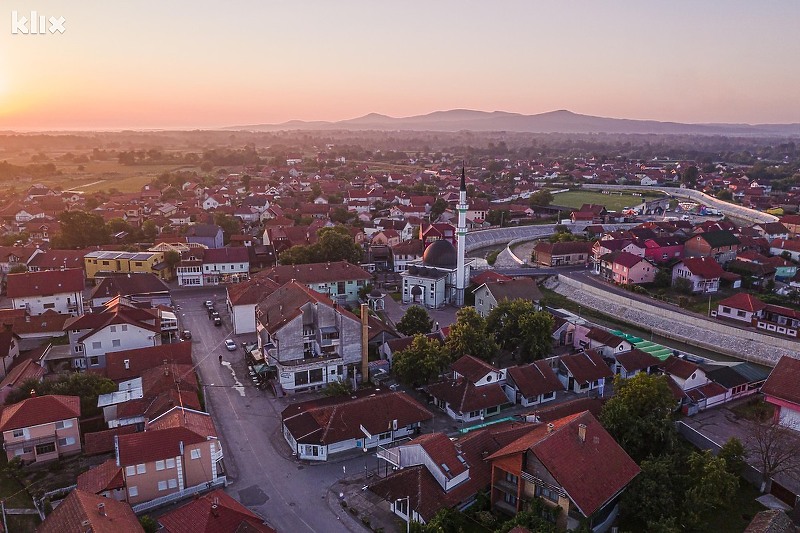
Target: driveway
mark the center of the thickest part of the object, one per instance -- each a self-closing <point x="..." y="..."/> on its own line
<point x="261" y="471"/>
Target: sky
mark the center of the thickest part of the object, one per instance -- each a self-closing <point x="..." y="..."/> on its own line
<point x="202" y="64"/>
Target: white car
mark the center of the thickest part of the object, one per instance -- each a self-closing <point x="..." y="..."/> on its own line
<point x="230" y="345"/>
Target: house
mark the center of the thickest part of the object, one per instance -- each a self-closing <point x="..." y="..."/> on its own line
<point x="439" y="230"/>
<point x="606" y="246"/>
<point x="784" y="247"/>
<point x="584" y="371"/>
<point x="779" y="319"/>
<point x="721" y="245"/>
<point x="571" y="464"/>
<point x="317" y="429"/>
<point x="160" y="462"/>
<point x="702" y="273"/>
<point x="792" y="224"/>
<point x="209" y="235"/>
<point x="532" y="384"/>
<point x="389" y="348"/>
<point x="106" y="479"/>
<point x="340" y="280"/>
<point x="772" y="230"/>
<point x="119" y="325"/>
<point x="757" y="275"/>
<point x="242" y="300"/>
<point x="627" y="269"/>
<point x="685" y="374"/>
<point x="405" y="252"/>
<point x="56" y="260"/>
<point x="137" y="287"/>
<point x="562" y="253"/>
<point x="37" y="292"/>
<point x="41" y="428"/>
<point x="663" y="249"/>
<point x="606" y="343"/>
<point x="308" y="338"/>
<point x="225" y="265"/>
<point x="128" y="364"/>
<point x="474" y="391"/>
<point x="9" y="348"/>
<point x="214" y="512"/>
<point x="742" y="307"/>
<point x="18" y="374"/>
<point x="97" y="264"/>
<point x="630" y="363"/>
<point x="489" y="294"/>
<point x="782" y="390"/>
<point x="82" y="511"/>
<point x="433" y="472"/>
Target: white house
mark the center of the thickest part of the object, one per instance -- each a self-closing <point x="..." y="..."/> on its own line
<point x="225" y="265"/>
<point x="584" y="371"/>
<point x="316" y="429"/>
<point x="475" y="390"/>
<point x="703" y="273"/>
<point x="57" y="290"/>
<point x="119" y="326"/>
<point x="532" y="384"/>
<point x="243" y="299"/>
<point x="742" y="307"/>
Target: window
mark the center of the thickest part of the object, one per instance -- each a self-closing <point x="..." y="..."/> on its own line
<point x="315" y="375"/>
<point x="48" y="306"/>
<point x="160" y="465"/>
<point x="162" y="485"/>
<point x="726" y="310"/>
<point x="61" y="424"/>
<point x="116" y="343"/>
<point x="740" y="313"/>
<point x="141" y="469"/>
<point x="130" y="470"/>
<point x="511" y="478"/>
<point x="133" y="491"/>
<point x="42" y="449"/>
<point x="170" y="463"/>
<point x="19" y="432"/>
<point x="124" y="327"/>
<point x="172" y="483"/>
<point x="97" y="345"/>
<point x="94" y="361"/>
<point x="384" y="436"/>
<point x="195" y="453"/>
<point x="66" y="441"/>
<point x="113" y="329"/>
<point x="474" y="414"/>
<point x="547" y="493"/>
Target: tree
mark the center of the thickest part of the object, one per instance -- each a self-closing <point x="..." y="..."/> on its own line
<point x="84" y="385"/>
<point x="639" y="415"/>
<point x="438" y="207"/>
<point x="337" y="244"/>
<point x="537" y="340"/>
<point x="690" y="175"/>
<point x="172" y="258"/>
<point x="148" y="523"/>
<point x="725" y="195"/>
<point x="18" y="269"/>
<point x="421" y="362"/>
<point x="776" y="449"/>
<point x="712" y="486"/>
<point x="230" y="226"/>
<point x="542" y="197"/>
<point x="246" y="182"/>
<point x="663" y="278"/>
<point x="80" y="229"/>
<point x="338" y="388"/>
<point x="149" y="230"/>
<point x="415" y="320"/>
<point x="735" y="455"/>
<point x="657" y="492"/>
<point x="520" y="329"/>
<point x="468" y="336"/>
<point x="682" y="286"/>
<point x="498" y="217"/>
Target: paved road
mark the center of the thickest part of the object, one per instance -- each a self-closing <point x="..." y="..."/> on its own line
<point x="263" y="474"/>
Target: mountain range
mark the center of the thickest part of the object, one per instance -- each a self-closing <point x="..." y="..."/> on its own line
<point x="553" y="122"/>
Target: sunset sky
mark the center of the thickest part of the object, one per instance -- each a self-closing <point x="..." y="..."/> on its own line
<point x="205" y="64"/>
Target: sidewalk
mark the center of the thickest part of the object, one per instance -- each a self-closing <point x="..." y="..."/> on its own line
<point x="359" y="509"/>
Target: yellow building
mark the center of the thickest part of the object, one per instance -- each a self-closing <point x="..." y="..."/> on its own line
<point x="147" y="262"/>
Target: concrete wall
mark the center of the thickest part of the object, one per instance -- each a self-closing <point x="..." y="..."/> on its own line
<point x="775" y="346"/>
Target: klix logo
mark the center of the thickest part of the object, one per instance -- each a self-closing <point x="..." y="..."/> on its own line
<point x="36" y="24"/>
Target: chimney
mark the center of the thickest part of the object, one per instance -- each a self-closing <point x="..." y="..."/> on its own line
<point x="101" y="508"/>
<point x="550" y="427"/>
<point x="582" y="432"/>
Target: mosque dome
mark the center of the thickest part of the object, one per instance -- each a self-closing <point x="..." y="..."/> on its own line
<point x="440" y="253"/>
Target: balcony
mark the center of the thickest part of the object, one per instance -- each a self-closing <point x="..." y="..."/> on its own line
<point x="506" y="486"/>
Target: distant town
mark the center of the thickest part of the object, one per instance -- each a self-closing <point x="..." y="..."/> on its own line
<point x="344" y="331"/>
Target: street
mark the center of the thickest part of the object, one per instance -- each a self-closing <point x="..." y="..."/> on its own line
<point x="262" y="474"/>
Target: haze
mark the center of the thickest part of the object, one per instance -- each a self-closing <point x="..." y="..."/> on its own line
<point x="153" y="64"/>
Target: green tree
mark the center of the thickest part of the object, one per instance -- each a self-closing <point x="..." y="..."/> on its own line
<point x="84" y="385"/>
<point x="421" y="362"/>
<point x="712" y="486"/>
<point x="148" y="523"/>
<point x="542" y="197"/>
<point x="438" y="207"/>
<point x="415" y="320"/>
<point x="663" y="278"/>
<point x="725" y="195"/>
<point x="468" y="336"/>
<point x="246" y="182"/>
<point x="149" y="230"/>
<point x="337" y="244"/>
<point x="639" y="415"/>
<point x="172" y="258"/>
<point x="735" y="454"/>
<point x="690" y="175"/>
<point x="682" y="286"/>
<point x="498" y="217"/>
<point x="338" y="388"/>
<point x="298" y="255"/>
<point x="230" y="226"/>
<point x="80" y="229"/>
<point x="537" y="339"/>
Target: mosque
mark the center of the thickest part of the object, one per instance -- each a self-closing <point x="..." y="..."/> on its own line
<point x="440" y="277"/>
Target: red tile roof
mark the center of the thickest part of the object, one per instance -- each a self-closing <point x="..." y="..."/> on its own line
<point x="472" y="368"/>
<point x="331" y="420"/>
<point x="782" y="382"/>
<point x="705" y="267"/>
<point x="154" y="445"/>
<point x="237" y="254"/>
<point x="676" y="366"/>
<point x="637" y="359"/>
<point x="45" y="283"/>
<point x="317" y="273"/>
<point x="465" y="397"/>
<point x="142" y="359"/>
<point x="99" y="442"/>
<point x="80" y="507"/>
<point x="103" y="477"/>
<point x="215" y="512"/>
<point x="40" y="410"/>
<point x="587" y="366"/>
<point x="535" y="379"/>
<point x="743" y="301"/>
<point x="442" y="451"/>
<point x="197" y="421"/>
<point x="251" y="292"/>
<point x="606" y="338"/>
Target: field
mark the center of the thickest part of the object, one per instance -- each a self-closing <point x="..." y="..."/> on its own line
<point x="613" y="202"/>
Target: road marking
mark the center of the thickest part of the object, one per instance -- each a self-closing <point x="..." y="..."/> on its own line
<point x="237" y="385"/>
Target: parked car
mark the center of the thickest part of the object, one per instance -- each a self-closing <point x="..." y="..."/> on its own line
<point x="217" y="321"/>
<point x="186" y="335"/>
<point x="213" y="315"/>
<point x="230" y="345"/>
<point x="209" y="304"/>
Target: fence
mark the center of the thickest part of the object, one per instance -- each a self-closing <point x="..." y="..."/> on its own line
<point x="751" y="474"/>
<point x="175" y="496"/>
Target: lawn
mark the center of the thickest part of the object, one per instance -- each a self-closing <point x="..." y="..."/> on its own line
<point x="613" y="202"/>
<point x="741" y="510"/>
